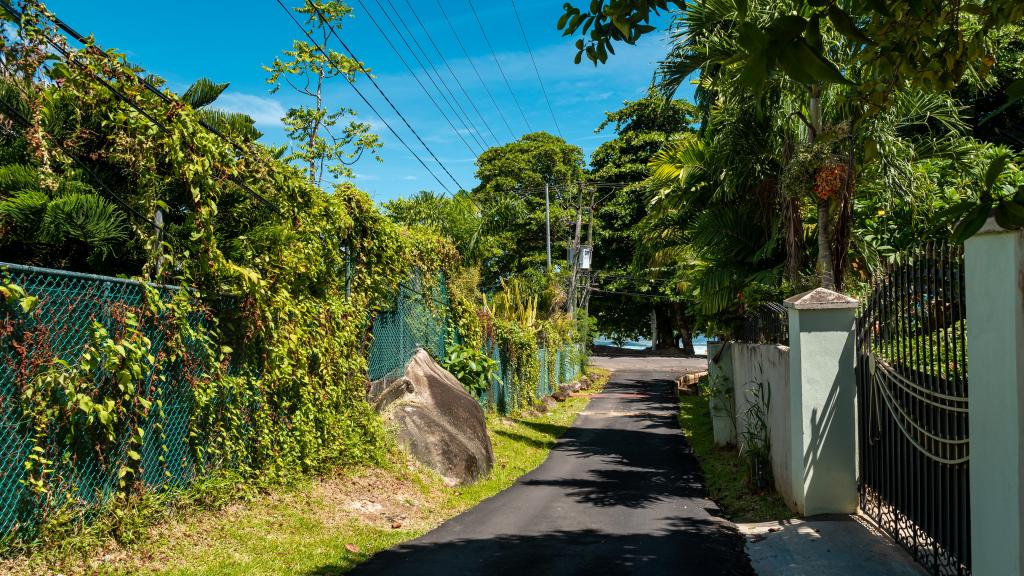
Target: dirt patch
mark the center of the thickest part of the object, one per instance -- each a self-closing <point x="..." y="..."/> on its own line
<point x="373" y="497"/>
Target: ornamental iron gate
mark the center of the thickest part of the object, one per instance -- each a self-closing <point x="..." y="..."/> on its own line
<point x="912" y="389"/>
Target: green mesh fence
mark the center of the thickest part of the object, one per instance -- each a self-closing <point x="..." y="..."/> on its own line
<point x="419" y="319"/>
<point x="59" y="327"/>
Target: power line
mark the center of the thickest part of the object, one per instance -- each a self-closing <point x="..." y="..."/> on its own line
<point x="454" y="76"/>
<point x="367" y="102"/>
<point x="635" y="294"/>
<point x="476" y="71"/>
<point x="430" y="67"/>
<point x="413" y="72"/>
<point x="17" y="116"/>
<point x="536" y="69"/>
<point x="494" y="55"/>
<point x="121" y="96"/>
<point x="373" y="81"/>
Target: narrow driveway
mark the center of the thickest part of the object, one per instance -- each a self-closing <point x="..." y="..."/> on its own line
<point x="619" y="494"/>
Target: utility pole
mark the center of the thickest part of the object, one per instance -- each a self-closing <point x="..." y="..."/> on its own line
<point x="547" y="219"/>
<point x="585" y="304"/>
<point x="575" y="256"/>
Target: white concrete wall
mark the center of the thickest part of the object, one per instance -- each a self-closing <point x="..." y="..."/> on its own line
<point x="767" y="363"/>
<point x="720" y="374"/>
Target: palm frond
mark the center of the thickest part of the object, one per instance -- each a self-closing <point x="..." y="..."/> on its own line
<point x="202" y="93"/>
<point x="17" y="177"/>
<point x="87" y="218"/>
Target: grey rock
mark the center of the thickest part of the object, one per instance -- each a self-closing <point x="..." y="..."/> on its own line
<point x="563" y="393"/>
<point x="436" y="420"/>
<point x="546" y="403"/>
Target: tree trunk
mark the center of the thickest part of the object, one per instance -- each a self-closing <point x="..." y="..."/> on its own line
<point x="825" y="270"/>
<point x="844" y="223"/>
<point x="825" y="266"/>
<point x="666" y="336"/>
<point x="794" y="238"/>
<point x="682" y="324"/>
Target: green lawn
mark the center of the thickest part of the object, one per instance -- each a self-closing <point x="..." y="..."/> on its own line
<point x="725" y="472"/>
<point x="328" y="525"/>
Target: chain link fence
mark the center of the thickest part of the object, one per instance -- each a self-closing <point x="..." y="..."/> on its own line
<point x="59" y="328"/>
<point x="420" y="319"/>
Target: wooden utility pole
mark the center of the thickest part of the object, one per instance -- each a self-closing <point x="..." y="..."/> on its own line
<point x="575" y="256"/>
<point x="547" y="219"/>
<point x="585" y="300"/>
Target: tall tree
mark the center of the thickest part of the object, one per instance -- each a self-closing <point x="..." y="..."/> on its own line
<point x="619" y="166"/>
<point x="511" y="197"/>
<point x="321" y="140"/>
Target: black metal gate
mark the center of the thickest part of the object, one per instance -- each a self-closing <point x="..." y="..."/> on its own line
<point x="912" y="389"/>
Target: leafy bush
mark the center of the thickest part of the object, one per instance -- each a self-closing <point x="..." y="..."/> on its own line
<point x="474" y="369"/>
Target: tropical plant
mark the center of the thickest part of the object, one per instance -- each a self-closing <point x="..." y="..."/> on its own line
<point x="306" y="69"/>
<point x="474" y="369"/>
<point x="65" y="224"/>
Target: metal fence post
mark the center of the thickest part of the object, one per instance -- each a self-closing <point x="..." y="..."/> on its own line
<point x="994" y="265"/>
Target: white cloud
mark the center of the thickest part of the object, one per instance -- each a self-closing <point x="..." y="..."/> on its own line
<point x="409" y="178"/>
<point x="365" y="177"/>
<point x="265" y="111"/>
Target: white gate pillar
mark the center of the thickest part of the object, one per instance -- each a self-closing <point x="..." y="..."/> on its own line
<point x="994" y="270"/>
<point x="822" y="402"/>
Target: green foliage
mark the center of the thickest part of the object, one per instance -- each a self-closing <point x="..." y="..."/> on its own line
<point x="642" y="128"/>
<point x="472" y="367"/>
<point x="458" y="218"/>
<point x="305" y="69"/>
<point x="286" y="285"/>
<point x="511" y="200"/>
<point x="68" y="221"/>
<point x="608" y="22"/>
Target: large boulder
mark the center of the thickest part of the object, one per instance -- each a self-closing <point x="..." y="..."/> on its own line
<point x="434" y="417"/>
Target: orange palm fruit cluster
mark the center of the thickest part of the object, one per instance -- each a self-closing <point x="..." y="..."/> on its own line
<point x="829" y="180"/>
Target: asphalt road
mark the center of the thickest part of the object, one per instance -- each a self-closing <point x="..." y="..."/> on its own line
<point x="619" y="494"/>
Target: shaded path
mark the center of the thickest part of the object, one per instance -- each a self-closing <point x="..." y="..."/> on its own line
<point x="619" y="494"/>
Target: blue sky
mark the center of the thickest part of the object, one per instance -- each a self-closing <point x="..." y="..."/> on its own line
<point x="229" y="41"/>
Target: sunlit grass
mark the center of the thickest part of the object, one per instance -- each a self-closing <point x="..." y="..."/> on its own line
<point x="286" y="532"/>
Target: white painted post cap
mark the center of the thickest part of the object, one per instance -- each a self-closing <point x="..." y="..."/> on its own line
<point x="820" y="299"/>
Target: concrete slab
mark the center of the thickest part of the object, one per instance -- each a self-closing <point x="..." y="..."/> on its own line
<point x="833" y="545"/>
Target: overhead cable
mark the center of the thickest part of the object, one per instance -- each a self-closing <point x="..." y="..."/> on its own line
<point x="476" y="71"/>
<point x="536" y="69"/>
<point x="20" y="118"/>
<point x="365" y="100"/>
<point x="431" y="69"/>
<point x="412" y="72"/>
<point x="451" y="72"/>
<point x="501" y="70"/>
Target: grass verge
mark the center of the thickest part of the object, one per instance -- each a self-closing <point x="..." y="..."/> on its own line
<point x="725" y="472"/>
<point x="326" y="525"/>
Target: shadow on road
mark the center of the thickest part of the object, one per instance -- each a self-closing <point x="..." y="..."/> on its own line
<point x="712" y="550"/>
<point x="621" y="493"/>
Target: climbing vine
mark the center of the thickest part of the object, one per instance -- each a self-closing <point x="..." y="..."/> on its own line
<point x="263" y="355"/>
